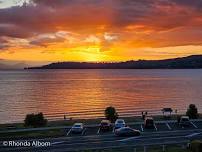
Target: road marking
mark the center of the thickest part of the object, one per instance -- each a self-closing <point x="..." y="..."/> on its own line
<point x="94" y="125"/>
<point x="98" y="132"/>
<point x="83" y="131"/>
<point x="193" y="124"/>
<point x="69" y="132"/>
<point x="145" y="133"/>
<point x="59" y="142"/>
<point x="142" y="128"/>
<point x="155" y="127"/>
<point x="194" y="134"/>
<point x="168" y="126"/>
<point x="122" y="140"/>
<point x="113" y="141"/>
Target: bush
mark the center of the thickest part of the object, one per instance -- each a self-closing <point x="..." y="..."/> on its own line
<point x="111" y="114"/>
<point x="196" y="146"/>
<point x="192" y="112"/>
<point x="35" y="120"/>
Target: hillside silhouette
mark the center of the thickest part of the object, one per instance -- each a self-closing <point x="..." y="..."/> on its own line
<point x="190" y="62"/>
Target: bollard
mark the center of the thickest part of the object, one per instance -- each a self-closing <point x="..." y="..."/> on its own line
<point x="188" y="145"/>
<point x="135" y="150"/>
<point x="145" y="149"/>
<point x="183" y="146"/>
<point x="163" y="147"/>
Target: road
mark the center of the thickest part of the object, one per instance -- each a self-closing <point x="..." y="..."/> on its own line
<point x="92" y="139"/>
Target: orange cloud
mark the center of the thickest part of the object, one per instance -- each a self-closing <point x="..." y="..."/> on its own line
<point x="111" y="29"/>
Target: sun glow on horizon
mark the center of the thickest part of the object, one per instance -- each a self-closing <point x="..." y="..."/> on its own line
<point x="108" y="30"/>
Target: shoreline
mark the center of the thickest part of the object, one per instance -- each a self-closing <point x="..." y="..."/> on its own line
<point x="59" y="122"/>
<point x="58" y="128"/>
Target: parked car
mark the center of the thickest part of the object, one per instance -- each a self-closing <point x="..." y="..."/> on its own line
<point x="119" y="123"/>
<point x="149" y="123"/>
<point x="184" y="121"/>
<point x="77" y="128"/>
<point x="105" y="125"/>
<point x="127" y="131"/>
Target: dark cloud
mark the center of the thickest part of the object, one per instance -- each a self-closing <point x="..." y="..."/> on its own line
<point x="3" y="43"/>
<point x="47" y="40"/>
<point x="3" y="46"/>
<point x="14" y="30"/>
<point x="195" y="4"/>
<point x="88" y="16"/>
<point x="49" y="16"/>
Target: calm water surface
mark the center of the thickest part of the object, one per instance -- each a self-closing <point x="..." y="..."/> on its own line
<point x="85" y="93"/>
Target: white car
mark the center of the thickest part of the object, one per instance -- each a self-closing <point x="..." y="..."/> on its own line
<point x="184" y="121"/>
<point x="119" y="123"/>
<point x="77" y="128"/>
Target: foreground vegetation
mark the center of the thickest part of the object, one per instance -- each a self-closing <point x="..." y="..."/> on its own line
<point x="195" y="146"/>
<point x="33" y="134"/>
<point x="38" y="120"/>
<point x="170" y="148"/>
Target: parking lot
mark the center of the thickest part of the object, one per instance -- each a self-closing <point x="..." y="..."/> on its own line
<point x="91" y="137"/>
<point x="159" y="126"/>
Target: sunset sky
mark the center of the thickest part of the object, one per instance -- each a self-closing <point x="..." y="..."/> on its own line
<point x="99" y="30"/>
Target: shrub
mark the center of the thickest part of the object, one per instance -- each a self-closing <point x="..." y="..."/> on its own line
<point x="192" y="111"/>
<point x="196" y="146"/>
<point x="35" y="120"/>
<point x="111" y="114"/>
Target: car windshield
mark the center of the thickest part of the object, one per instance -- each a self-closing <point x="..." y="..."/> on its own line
<point x="104" y="123"/>
<point x="120" y="121"/>
<point x="77" y="126"/>
<point x="185" y="119"/>
<point x="127" y="129"/>
<point x="149" y="121"/>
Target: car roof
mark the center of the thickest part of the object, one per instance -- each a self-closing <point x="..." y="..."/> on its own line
<point x="122" y="128"/>
<point x="105" y="121"/>
<point x="119" y="120"/>
<point x="126" y="128"/>
<point x="150" y="118"/>
<point x="167" y="110"/>
<point x="78" y="124"/>
<point x="185" y="117"/>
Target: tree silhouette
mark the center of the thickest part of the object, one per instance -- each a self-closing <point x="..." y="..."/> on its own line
<point x="192" y="111"/>
<point x="111" y="114"/>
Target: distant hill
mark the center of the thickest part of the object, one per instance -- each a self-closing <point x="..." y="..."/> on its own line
<point x="190" y="62"/>
<point x="16" y="65"/>
<point x="4" y="66"/>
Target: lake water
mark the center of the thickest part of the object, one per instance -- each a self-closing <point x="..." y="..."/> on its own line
<point x="86" y="93"/>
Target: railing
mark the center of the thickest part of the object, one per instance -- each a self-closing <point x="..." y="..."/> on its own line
<point x="89" y="114"/>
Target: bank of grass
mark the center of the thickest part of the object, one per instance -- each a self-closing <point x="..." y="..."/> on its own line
<point x="169" y="148"/>
<point x="33" y="134"/>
